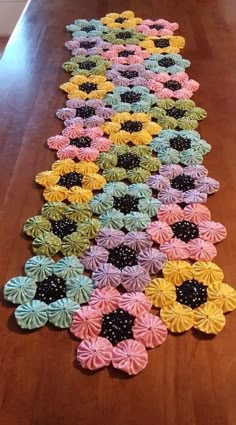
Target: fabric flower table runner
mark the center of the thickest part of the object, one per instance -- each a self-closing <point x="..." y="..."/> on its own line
<point x="124" y="246"/>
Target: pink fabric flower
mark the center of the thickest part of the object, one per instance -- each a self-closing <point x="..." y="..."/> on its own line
<point x="177" y="86"/>
<point x="149" y="330"/>
<point x="159" y="231"/>
<point x="94" y="353"/>
<point x="86" y="322"/>
<point x="136" y="303"/>
<point x="130" y="356"/>
<point x="201" y="250"/>
<point x="158" y="27"/>
<point x="130" y="54"/>
<point x="105" y="299"/>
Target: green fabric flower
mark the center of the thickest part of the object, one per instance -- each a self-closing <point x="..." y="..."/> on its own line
<point x="123" y="36"/>
<point x="134" y="99"/>
<point x="87" y="65"/>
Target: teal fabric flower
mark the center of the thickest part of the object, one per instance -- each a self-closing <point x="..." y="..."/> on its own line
<point x="134" y="99"/>
<point x="87" y="65"/>
<point x="123" y="36"/>
<point x="185" y="147"/>
<point x="170" y="63"/>
<point x="85" y="28"/>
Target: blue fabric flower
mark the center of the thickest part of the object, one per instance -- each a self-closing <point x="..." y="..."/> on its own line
<point x="170" y="63"/>
<point x="135" y="99"/>
<point x="85" y="28"/>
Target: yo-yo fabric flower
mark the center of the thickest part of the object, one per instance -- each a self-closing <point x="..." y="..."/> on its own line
<point x="131" y="99"/>
<point x="184" y="146"/>
<point x="86" y="65"/>
<point x="86" y="113"/>
<point x="125" y="19"/>
<point x="131" y="210"/>
<point x="176" y="86"/>
<point x="116" y="329"/>
<point x="137" y="128"/>
<point x="158" y="27"/>
<point x="181" y="113"/>
<point x="126" y="55"/>
<point x="85" y="28"/>
<point x="58" y="226"/>
<point x="93" y="87"/>
<point x="70" y="180"/>
<point x="49" y="291"/>
<point x="131" y="163"/>
<point x="123" y="259"/>
<point x="77" y="142"/>
<point x="164" y="44"/>
<point x="169" y="62"/>
<point x="177" y="184"/>
<point x="87" y="46"/>
<point x="186" y="233"/>
<point x="192" y="296"/>
<point x="123" y="36"/>
<point x="129" y="75"/>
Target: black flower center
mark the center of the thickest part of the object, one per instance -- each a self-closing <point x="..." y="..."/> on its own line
<point x="183" y="182"/>
<point x="185" y="231"/>
<point x="88" y="28"/>
<point x="51" y="289"/>
<point x="132" y="126"/>
<point x="88" y="87"/>
<point x="85" y="112"/>
<point x="128" y="161"/>
<point x="130" y="97"/>
<point x="129" y="74"/>
<point x="117" y="326"/>
<point x="175" y="113"/>
<point x="71" y="179"/>
<point x="125" y="54"/>
<point x="161" y="42"/>
<point x="81" y="142"/>
<point x="191" y="293"/>
<point x="156" y="27"/>
<point x="126" y="204"/>
<point x="87" y="44"/>
<point x="166" y="62"/>
<point x="87" y="65"/>
<point x="64" y="227"/>
<point x="180" y="143"/>
<point x="120" y="20"/>
<point x="172" y="85"/>
<point x="123" y="256"/>
<point x="124" y="35"/>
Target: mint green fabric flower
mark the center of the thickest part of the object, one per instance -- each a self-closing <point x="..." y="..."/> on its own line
<point x="134" y="99"/>
<point x="87" y="65"/>
<point x="85" y="28"/>
<point x="170" y="63"/>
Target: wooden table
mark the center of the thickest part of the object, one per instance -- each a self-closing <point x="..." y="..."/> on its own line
<point x="189" y="380"/>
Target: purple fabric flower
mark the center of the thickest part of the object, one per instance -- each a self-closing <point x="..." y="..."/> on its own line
<point x="129" y="75"/>
<point x="84" y="46"/>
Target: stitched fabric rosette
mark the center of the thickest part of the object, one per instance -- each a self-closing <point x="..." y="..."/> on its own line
<point x="123" y="36"/>
<point x="126" y="55"/>
<point x="129" y="75"/>
<point x="92" y="87"/>
<point x="126" y="259"/>
<point x="131" y="99"/>
<point x="49" y="291"/>
<point x="125" y="19"/>
<point x="158" y="27"/>
<point x="192" y="296"/>
<point x="86" y="65"/>
<point x="85" y="28"/>
<point x="175" y="86"/>
<point x="170" y="63"/>
<point x="164" y="44"/>
<point x="69" y="180"/>
<point x="85" y="46"/>
<point x="186" y="233"/>
<point x="116" y="329"/>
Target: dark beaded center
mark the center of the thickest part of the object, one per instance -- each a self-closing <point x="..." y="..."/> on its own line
<point x="191" y="293"/>
<point x="175" y="113"/>
<point x="129" y="74"/>
<point x="88" y="87"/>
<point x="126" y="204"/>
<point x="120" y="20"/>
<point x="130" y="97"/>
<point x="64" y="227"/>
<point x="180" y="143"/>
<point x="88" y="28"/>
<point x="117" y="326"/>
<point x="161" y="42"/>
<point x="172" y="85"/>
<point x="183" y="182"/>
<point x="125" y="53"/>
<point x="87" y="65"/>
<point x="156" y="27"/>
<point x="71" y="179"/>
<point x="87" y="44"/>
<point x="81" y="142"/>
<point x="128" y="161"/>
<point x="85" y="112"/>
<point x="51" y="289"/>
<point x="132" y="126"/>
<point x="166" y="62"/>
<point x="124" y="35"/>
<point x="185" y="231"/>
<point x="123" y="256"/>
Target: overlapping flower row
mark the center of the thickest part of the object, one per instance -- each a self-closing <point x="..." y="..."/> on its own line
<point x="125" y="196"/>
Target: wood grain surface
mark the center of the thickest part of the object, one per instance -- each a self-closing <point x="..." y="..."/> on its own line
<point x="189" y="380"/>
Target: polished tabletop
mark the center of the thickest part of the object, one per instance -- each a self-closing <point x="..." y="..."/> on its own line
<point x="189" y="380"/>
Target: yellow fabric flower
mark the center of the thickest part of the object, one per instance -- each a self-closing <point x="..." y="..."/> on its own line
<point x="85" y="168"/>
<point x="164" y="44"/>
<point x="93" y="87"/>
<point x="136" y="128"/>
<point x="177" y="271"/>
<point x="47" y="178"/>
<point x="94" y="182"/>
<point x="177" y="317"/>
<point x="64" y="166"/>
<point x="161" y="292"/>
<point x="123" y="20"/>
<point x="209" y="318"/>
<point x="207" y="272"/>
<point x="79" y="194"/>
<point x="55" y="193"/>
<point x="223" y="295"/>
